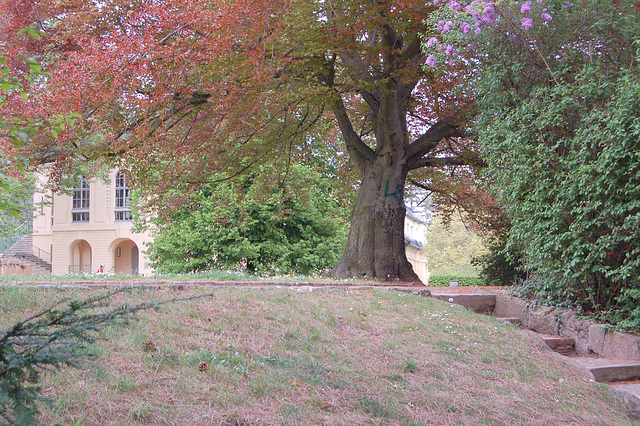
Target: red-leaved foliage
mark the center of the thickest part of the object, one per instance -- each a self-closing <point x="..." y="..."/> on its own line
<point x="188" y="88"/>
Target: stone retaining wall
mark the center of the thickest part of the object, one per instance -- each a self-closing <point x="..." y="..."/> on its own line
<point x="590" y="337"/>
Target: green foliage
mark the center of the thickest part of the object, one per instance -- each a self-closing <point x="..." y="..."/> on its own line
<point x="451" y="246"/>
<point x="500" y="265"/>
<point x="438" y="280"/>
<point x="561" y="130"/>
<point x="49" y="340"/>
<point x="19" y="131"/>
<point x="266" y="222"/>
<point x="18" y="191"/>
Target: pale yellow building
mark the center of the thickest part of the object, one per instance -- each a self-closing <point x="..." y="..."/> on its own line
<point x="90" y="230"/>
<point x="414" y="235"/>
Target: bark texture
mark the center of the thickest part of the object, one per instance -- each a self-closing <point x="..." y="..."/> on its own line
<point x="375" y="247"/>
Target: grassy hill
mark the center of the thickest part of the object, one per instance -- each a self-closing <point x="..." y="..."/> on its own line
<point x="332" y="356"/>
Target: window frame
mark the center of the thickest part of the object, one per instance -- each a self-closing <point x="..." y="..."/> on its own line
<point x="122" y="199"/>
<point x="81" y="201"/>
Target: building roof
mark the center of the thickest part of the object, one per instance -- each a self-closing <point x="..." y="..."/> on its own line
<point x="416" y="216"/>
<point x="411" y="242"/>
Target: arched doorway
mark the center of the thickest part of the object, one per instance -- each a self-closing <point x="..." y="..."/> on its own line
<point x="126" y="257"/>
<point x="80" y="257"/>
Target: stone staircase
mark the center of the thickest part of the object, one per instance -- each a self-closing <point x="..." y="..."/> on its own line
<point x="21" y="255"/>
<point x="609" y="357"/>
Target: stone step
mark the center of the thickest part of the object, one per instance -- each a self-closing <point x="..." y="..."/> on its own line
<point x="611" y="370"/>
<point x="514" y="320"/>
<point x="560" y="344"/>
<point x="480" y="303"/>
<point x="630" y="394"/>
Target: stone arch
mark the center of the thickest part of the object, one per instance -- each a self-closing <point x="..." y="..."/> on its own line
<point x="81" y="255"/>
<point x="126" y="256"/>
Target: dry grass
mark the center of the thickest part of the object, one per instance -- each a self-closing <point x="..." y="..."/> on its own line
<point x="280" y="356"/>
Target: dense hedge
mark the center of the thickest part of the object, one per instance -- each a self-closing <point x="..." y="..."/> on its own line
<point x="560" y="129"/>
<point x="464" y="281"/>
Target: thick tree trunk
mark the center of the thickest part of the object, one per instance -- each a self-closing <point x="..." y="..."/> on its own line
<point x="375" y="247"/>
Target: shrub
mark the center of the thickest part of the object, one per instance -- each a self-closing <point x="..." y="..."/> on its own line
<point x="297" y="227"/>
<point x="501" y="265"/>
<point x="559" y="126"/>
<point x="463" y="280"/>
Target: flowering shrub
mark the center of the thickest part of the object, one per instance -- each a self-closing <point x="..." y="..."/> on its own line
<point x="477" y="14"/>
<point x="560" y="112"/>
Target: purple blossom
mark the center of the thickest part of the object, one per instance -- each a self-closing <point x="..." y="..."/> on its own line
<point x="465" y="27"/>
<point x="431" y="41"/>
<point x="526" y="23"/>
<point x="440" y="26"/>
<point x="450" y="51"/>
<point x="490" y="10"/>
<point x="487" y="19"/>
<point x="567" y="5"/>
<point x="546" y="16"/>
<point x="455" y="5"/>
<point x="439" y="48"/>
<point x="538" y="1"/>
<point x="431" y="61"/>
<point x="436" y="2"/>
<point x="446" y="27"/>
<point x="526" y="7"/>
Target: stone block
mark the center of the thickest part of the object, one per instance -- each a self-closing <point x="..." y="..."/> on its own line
<point x="621" y="346"/>
<point x="613" y="344"/>
<point x="541" y="320"/>
<point x="616" y="373"/>
<point x="562" y="345"/>
<point x="575" y="328"/>
<point x="480" y="303"/>
<point x="509" y="306"/>
<point x="630" y="394"/>
<point x="596" y="339"/>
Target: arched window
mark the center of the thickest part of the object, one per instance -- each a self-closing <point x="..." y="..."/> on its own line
<point x="80" y="206"/>
<point x="122" y="208"/>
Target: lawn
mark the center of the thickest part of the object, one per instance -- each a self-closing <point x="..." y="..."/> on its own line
<point x="242" y="356"/>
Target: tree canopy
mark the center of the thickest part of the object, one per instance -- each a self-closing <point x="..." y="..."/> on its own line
<point x="193" y="87"/>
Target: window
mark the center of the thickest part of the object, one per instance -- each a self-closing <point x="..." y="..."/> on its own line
<point x="80" y="206"/>
<point x="122" y="210"/>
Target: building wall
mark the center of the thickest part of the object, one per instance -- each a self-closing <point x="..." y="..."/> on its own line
<point x="415" y="229"/>
<point x="418" y="260"/>
<point x="84" y="246"/>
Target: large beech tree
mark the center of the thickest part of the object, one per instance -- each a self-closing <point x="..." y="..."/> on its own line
<point x="192" y="87"/>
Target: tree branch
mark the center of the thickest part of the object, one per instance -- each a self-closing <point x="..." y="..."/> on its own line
<point x="359" y="70"/>
<point x="359" y="152"/>
<point x="430" y="139"/>
<point x="448" y="161"/>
